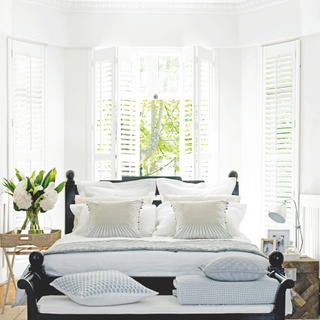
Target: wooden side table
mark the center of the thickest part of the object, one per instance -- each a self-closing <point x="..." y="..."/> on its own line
<point x="23" y="244"/>
<point x="306" y="301"/>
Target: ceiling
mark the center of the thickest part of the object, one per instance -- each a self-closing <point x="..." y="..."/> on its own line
<point x="158" y="6"/>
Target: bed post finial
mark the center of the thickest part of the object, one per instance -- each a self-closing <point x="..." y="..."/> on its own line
<point x="70" y="191"/>
<point x="234" y="174"/>
<point x="70" y="175"/>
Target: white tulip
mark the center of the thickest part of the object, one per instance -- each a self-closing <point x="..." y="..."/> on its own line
<point x="38" y="188"/>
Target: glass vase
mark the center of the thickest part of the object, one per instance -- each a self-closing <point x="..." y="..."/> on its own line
<point x="35" y="222"/>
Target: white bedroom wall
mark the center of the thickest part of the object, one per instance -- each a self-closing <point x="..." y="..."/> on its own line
<point x="55" y="125"/>
<point x="152" y="30"/>
<point x="76" y="108"/>
<point x="310" y="115"/>
<point x="269" y="24"/>
<point x="229" y="65"/>
<point x="39" y="23"/>
<point x="5" y="28"/>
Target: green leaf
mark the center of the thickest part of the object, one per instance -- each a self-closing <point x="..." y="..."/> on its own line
<point x="18" y="175"/>
<point x="38" y="200"/>
<point x="9" y="184"/>
<point x="38" y="179"/>
<point x="16" y="207"/>
<point x="29" y="185"/>
<point x="50" y="177"/>
<point x="33" y="174"/>
<point x="60" y="187"/>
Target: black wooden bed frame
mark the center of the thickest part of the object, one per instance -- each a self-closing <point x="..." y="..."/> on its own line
<point x="36" y="282"/>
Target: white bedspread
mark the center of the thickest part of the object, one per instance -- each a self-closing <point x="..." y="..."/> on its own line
<point x="133" y="263"/>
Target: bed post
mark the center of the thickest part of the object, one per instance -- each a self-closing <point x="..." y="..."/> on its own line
<point x="234" y="174"/>
<point x="70" y="190"/>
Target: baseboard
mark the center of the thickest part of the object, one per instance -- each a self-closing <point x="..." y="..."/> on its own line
<point x="11" y="295"/>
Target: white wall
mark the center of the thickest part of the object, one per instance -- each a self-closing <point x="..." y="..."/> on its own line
<point x="39" y="23"/>
<point x="230" y="111"/>
<point x="152" y="30"/>
<point x="76" y="108"/>
<point x="55" y="125"/>
<point x="250" y="179"/>
<point x="277" y="22"/>
<point x="5" y="26"/>
<point x="310" y="115"/>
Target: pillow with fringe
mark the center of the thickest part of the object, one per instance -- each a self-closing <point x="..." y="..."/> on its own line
<point x="114" y="219"/>
<point x="201" y="220"/>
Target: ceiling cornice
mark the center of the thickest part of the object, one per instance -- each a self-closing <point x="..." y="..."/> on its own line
<point x="155" y="6"/>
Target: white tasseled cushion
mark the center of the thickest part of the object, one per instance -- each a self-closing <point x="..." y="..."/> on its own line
<point x="114" y="219"/>
<point x="201" y="219"/>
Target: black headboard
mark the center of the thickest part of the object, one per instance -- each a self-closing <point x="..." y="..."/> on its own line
<point x="71" y="191"/>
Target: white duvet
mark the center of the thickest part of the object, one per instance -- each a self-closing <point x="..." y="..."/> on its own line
<point x="142" y="263"/>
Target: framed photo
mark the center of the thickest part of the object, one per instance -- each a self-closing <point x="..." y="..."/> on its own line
<point x="282" y="238"/>
<point x="268" y="245"/>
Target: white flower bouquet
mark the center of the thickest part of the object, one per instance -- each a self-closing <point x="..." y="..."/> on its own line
<point x="34" y="194"/>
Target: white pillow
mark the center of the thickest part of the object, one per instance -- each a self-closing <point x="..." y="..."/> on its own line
<point x="176" y="187"/>
<point x="114" y="219"/>
<point x="201" y="220"/>
<point x="166" y="220"/>
<point x="81" y="218"/>
<point x="235" y="214"/>
<point x="201" y="197"/>
<point x="102" y="288"/>
<point x="147" y="220"/>
<point x="145" y="188"/>
<point x="110" y="197"/>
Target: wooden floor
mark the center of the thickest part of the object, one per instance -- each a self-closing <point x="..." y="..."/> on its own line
<point x="17" y="313"/>
<point x="20" y="313"/>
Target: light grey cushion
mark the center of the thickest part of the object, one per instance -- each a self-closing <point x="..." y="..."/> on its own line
<point x="102" y="288"/>
<point x="114" y="219"/>
<point x="200" y="219"/>
<point x="233" y="269"/>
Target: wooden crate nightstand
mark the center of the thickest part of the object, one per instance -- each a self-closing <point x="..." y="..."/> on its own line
<point x="306" y="287"/>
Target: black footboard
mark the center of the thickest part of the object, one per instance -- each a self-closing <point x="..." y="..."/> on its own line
<point x="36" y="283"/>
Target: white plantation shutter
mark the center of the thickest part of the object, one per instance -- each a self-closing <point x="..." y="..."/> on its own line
<point x="196" y="114"/>
<point x="281" y="130"/>
<point x="188" y="116"/>
<point x="27" y="100"/>
<point x="128" y="121"/>
<point x="104" y="100"/>
<point x="205" y="112"/>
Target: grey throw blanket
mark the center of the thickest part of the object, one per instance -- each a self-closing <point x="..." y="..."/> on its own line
<point x="199" y="245"/>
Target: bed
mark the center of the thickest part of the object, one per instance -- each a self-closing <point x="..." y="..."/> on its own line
<point x="164" y="260"/>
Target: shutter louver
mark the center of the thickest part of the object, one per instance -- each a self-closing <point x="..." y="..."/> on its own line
<point x="104" y="113"/>
<point x="196" y="114"/>
<point x="128" y="114"/>
<point x="280" y="146"/>
<point x="205" y="113"/>
<point x="28" y="114"/>
<point x="187" y="116"/>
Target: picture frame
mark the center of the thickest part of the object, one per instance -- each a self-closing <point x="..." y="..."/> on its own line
<point x="282" y="237"/>
<point x="268" y="245"/>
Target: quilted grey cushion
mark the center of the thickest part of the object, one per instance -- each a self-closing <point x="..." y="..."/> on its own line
<point x="233" y="269"/>
<point x="102" y="288"/>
